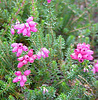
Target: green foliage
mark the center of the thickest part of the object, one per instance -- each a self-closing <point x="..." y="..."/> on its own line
<point x="37" y="94"/>
<point x="61" y="24"/>
<point x="62" y="96"/>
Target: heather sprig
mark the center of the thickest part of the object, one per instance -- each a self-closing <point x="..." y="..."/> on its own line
<point x="30" y="25"/>
<point x="26" y="58"/>
<point x="31" y="31"/>
<point x="21" y="78"/>
<point x="82" y="52"/>
<point x="25" y="28"/>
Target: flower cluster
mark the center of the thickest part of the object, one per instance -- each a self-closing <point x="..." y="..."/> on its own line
<point x="21" y="78"/>
<point x="18" y="47"/>
<point x="82" y="52"/>
<point x="95" y="68"/>
<point x="48" y="1"/>
<point x="43" y="53"/>
<point x="25" y="28"/>
<point x="27" y="58"/>
<point x="24" y="60"/>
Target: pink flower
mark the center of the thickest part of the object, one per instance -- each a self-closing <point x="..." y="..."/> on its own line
<point x="33" y="29"/>
<point x="20" y="64"/>
<point x="27" y="72"/>
<point x="30" y="53"/>
<point x="43" y="53"/>
<point x="18" y="47"/>
<point x="17" y="26"/>
<point x="45" y="90"/>
<point x="79" y="56"/>
<point x="25" y="32"/>
<point x="27" y="58"/>
<point x="21" y="78"/>
<point x="29" y="19"/>
<point x="95" y="68"/>
<point x="48" y="1"/>
<point x="25" y="28"/>
<point x="18" y="73"/>
<point x="74" y="56"/>
<point x="82" y="52"/>
<point x="22" y="26"/>
<point x="12" y="31"/>
<point x="39" y="55"/>
<point x="19" y="31"/>
<point x="32" y="24"/>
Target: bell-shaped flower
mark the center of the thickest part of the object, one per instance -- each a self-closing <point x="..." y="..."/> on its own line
<point x="39" y="55"/>
<point x="17" y="26"/>
<point x="20" y="64"/>
<point x="18" y="73"/>
<point x="48" y="1"/>
<point x="12" y="31"/>
<point x="95" y="68"/>
<point x="32" y="24"/>
<point x="33" y="29"/>
<point x="30" y="52"/>
<point x="76" y="51"/>
<point x="43" y="53"/>
<point x="29" y="19"/>
<point x="45" y="90"/>
<point x="74" y="56"/>
<point x="21" y="78"/>
<point x="27" y="72"/>
<point x="18" y="47"/>
<point x="24" y="32"/>
<point x="79" y="56"/>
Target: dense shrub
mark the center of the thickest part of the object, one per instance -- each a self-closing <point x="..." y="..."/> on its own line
<point x="54" y="70"/>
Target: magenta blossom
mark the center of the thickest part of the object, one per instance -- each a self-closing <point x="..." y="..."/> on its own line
<point x="29" y="19"/>
<point x="48" y="1"/>
<point x="27" y="58"/>
<point x="25" y="28"/>
<point x="45" y="90"/>
<point x="82" y="52"/>
<point x="95" y="68"/>
<point x="43" y="53"/>
<point x="18" y="47"/>
<point x="12" y="31"/>
<point x="21" y="78"/>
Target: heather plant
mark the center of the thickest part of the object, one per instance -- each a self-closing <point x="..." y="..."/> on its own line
<point x="48" y="50"/>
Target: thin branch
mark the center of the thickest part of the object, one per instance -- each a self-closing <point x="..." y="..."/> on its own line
<point x="78" y="29"/>
<point x="86" y="11"/>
